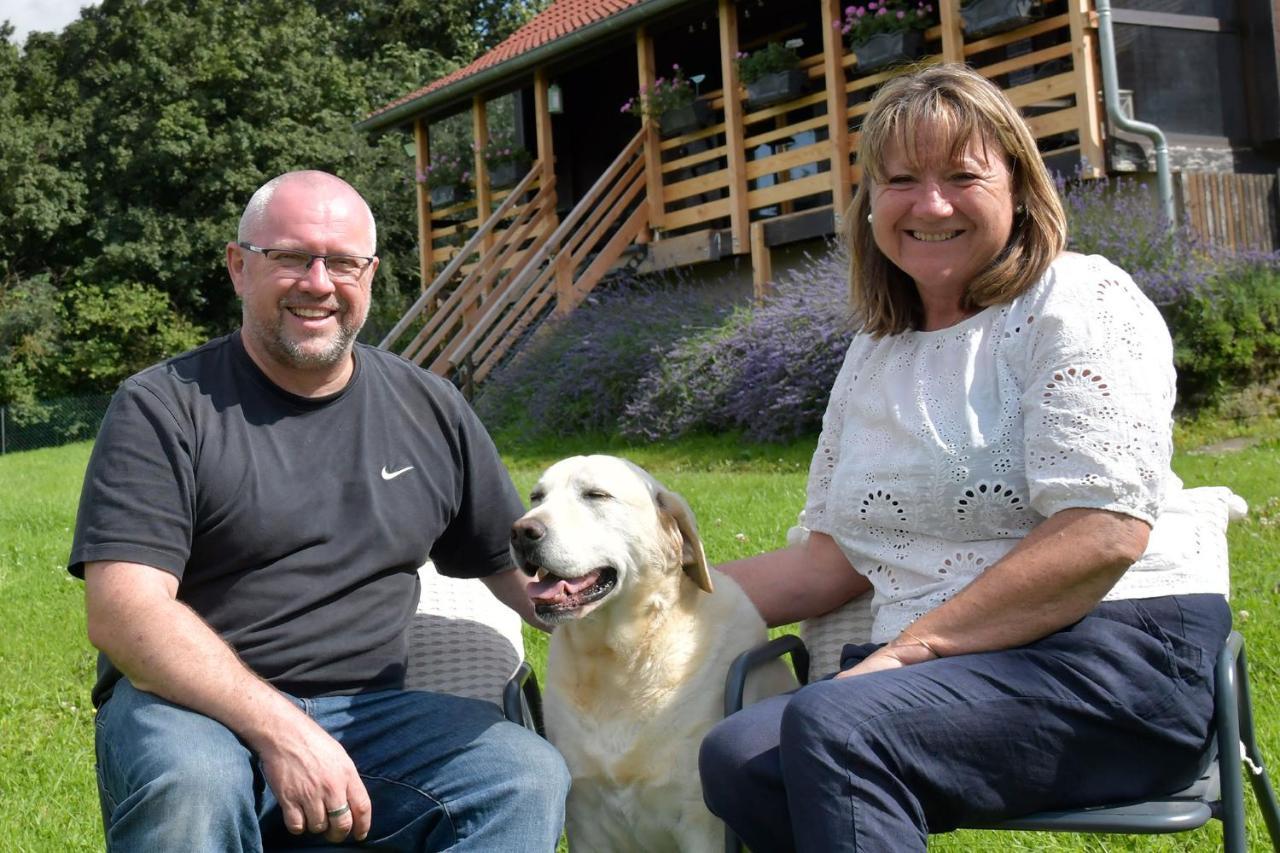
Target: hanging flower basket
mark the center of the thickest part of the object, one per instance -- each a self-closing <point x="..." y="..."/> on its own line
<point x="885" y="49"/>
<point x="776" y="88"/>
<point x="678" y="121"/>
<point x="504" y="175"/>
<point x="447" y="195"/>
<point x="988" y="17"/>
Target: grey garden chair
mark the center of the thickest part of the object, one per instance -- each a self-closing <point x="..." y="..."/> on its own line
<point x="1218" y="793"/>
<point x="465" y="642"/>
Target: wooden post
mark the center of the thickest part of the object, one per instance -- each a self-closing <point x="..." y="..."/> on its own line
<point x="480" y="135"/>
<point x="421" y="159"/>
<point x="952" y="31"/>
<point x="734" y="131"/>
<point x="647" y="74"/>
<point x="542" y="136"/>
<point x="542" y="126"/>
<point x="761" y="263"/>
<point x="1084" y="62"/>
<point x="837" y="110"/>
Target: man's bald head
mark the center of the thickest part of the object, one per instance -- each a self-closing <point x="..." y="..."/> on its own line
<point x="255" y="212"/>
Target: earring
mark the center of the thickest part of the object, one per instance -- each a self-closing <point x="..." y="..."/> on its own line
<point x="1020" y="209"/>
<point x="868" y="218"/>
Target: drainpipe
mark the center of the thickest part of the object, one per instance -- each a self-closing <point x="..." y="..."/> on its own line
<point x="1111" y="95"/>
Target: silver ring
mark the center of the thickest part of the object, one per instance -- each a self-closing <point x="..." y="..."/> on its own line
<point x="339" y="811"/>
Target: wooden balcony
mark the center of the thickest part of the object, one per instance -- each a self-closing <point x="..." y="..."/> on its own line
<point x="727" y="188"/>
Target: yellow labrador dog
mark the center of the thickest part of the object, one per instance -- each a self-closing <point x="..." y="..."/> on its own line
<point x="638" y="657"/>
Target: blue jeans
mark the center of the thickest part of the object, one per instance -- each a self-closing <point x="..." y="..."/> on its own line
<point x="1116" y="707"/>
<point x="444" y="773"/>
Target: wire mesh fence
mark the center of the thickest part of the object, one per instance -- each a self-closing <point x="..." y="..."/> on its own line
<point x="50" y="423"/>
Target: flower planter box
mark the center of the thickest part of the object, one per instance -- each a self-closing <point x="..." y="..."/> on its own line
<point x="988" y="17"/>
<point x="885" y="49"/>
<point x="504" y="175"/>
<point x="447" y="195"/>
<point x="686" y="119"/>
<point x="776" y="88"/>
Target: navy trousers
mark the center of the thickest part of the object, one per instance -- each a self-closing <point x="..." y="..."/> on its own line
<point x="1116" y="707"/>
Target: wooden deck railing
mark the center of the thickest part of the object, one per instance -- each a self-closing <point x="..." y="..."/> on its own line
<point x="448" y="305"/>
<point x="571" y="262"/>
<point x="789" y="157"/>
<point x="499" y="276"/>
<point x="468" y="324"/>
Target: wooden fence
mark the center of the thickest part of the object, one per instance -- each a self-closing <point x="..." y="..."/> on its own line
<point x="1232" y="211"/>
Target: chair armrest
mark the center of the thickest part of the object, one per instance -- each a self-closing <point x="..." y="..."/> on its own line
<point x="735" y="682"/>
<point x="522" y="700"/>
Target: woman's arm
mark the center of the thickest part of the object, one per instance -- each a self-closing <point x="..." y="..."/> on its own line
<point x="798" y="582"/>
<point x="1052" y="578"/>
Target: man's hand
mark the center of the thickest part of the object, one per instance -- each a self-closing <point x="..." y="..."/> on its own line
<point x="165" y="648"/>
<point x="313" y="778"/>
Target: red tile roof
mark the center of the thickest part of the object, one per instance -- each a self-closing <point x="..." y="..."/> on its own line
<point x="559" y="19"/>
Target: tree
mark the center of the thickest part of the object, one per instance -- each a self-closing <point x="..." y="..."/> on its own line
<point x="132" y="140"/>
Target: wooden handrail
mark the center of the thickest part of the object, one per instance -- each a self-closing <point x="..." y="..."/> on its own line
<point x="452" y="268"/>
<point x="531" y="269"/>
<point x="444" y="312"/>
<point x="603" y="209"/>
<point x="534" y="298"/>
<point x="431" y="334"/>
<point x="610" y="214"/>
<point x="496" y="345"/>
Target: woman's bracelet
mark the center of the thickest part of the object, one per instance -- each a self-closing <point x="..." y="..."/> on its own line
<point x="928" y="648"/>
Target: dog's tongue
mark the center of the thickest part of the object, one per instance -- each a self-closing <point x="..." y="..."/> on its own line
<point x="555" y="589"/>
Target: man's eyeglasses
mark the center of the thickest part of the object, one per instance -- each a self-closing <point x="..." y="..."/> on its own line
<point x="297" y="263"/>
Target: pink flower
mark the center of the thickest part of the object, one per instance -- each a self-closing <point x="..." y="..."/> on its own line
<point x="901" y="14"/>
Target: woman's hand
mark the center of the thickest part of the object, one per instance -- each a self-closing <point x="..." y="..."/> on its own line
<point x="1051" y="578"/>
<point x="906" y="650"/>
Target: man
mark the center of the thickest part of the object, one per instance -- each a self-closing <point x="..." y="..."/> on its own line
<point x="249" y="532"/>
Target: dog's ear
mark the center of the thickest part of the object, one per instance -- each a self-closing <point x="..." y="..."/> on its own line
<point x="693" y="557"/>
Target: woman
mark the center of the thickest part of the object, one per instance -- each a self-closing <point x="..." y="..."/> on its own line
<point x="994" y="455"/>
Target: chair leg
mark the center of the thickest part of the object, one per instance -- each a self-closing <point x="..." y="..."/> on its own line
<point x="1257" y="770"/>
<point x="1233" y="714"/>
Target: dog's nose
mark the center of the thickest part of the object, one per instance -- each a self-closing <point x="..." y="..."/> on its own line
<point x="527" y="530"/>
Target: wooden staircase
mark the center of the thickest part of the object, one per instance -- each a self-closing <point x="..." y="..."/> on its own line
<point x="520" y="267"/>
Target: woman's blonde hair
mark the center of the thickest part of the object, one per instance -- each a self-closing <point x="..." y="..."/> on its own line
<point x="971" y="110"/>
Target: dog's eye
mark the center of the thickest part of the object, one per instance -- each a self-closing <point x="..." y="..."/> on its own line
<point x="536" y="496"/>
<point x="596" y="494"/>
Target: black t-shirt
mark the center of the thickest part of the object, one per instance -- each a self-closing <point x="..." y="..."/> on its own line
<point x="295" y="526"/>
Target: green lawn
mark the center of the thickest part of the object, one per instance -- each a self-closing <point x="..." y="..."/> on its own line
<point x="745" y="496"/>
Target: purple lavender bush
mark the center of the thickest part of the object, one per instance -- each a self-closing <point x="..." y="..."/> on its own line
<point x="1119" y="219"/>
<point x="1222" y="307"/>
<point x="767" y="371"/>
<point x="660" y="361"/>
<point x="578" y="373"/>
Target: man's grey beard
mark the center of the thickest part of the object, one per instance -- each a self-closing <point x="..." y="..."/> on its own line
<point x="298" y="356"/>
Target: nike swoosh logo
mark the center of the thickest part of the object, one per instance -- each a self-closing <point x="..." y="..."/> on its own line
<point x="391" y="475"/>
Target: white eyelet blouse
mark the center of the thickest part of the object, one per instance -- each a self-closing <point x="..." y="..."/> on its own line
<point x="940" y="450"/>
